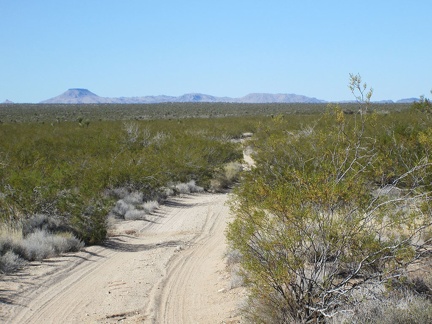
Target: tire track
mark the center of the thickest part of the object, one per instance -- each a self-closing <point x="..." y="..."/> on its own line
<point x="189" y="294"/>
<point x="163" y="274"/>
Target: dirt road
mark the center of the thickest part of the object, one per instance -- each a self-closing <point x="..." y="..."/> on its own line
<point x="168" y="269"/>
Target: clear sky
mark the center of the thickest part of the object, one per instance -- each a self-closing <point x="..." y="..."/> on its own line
<point x="220" y="47"/>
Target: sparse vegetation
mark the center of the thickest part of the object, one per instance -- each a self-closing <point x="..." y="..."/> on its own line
<point x="335" y="212"/>
<point x="65" y="178"/>
<point x="87" y="114"/>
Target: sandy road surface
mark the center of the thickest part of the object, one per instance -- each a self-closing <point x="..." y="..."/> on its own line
<point x="166" y="270"/>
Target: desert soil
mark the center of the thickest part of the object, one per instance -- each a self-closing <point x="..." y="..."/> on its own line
<point x="168" y="269"/>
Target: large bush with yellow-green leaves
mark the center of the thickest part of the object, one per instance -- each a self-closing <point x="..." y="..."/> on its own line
<point x="333" y="211"/>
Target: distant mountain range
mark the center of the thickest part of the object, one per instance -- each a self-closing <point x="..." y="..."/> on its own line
<point x="84" y="96"/>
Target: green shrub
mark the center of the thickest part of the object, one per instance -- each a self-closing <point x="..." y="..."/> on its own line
<point x="308" y="225"/>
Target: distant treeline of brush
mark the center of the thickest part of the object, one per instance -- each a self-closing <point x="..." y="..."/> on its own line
<point x="18" y="113"/>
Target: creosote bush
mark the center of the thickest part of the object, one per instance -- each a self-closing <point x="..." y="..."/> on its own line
<point x="310" y="226"/>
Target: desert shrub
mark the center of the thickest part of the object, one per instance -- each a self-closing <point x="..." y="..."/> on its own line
<point x="217" y="185"/>
<point x="91" y="225"/>
<point x="424" y="105"/>
<point x="166" y="192"/>
<point x="150" y="206"/>
<point x="182" y="188"/>
<point x="6" y="244"/>
<point x="118" y="193"/>
<point x="190" y="187"/>
<point x="72" y="244"/>
<point x="10" y="262"/>
<point x="232" y="257"/>
<point x="37" y="244"/>
<point x="416" y="312"/>
<point x="135" y="214"/>
<point x="226" y="177"/>
<point x="193" y="187"/>
<point x="309" y="228"/>
<point x="232" y="171"/>
<point x="131" y="207"/>
<point x="134" y="198"/>
<point x="45" y="223"/>
<point x="266" y="309"/>
<point x="40" y="245"/>
<point x="237" y="279"/>
<point x="121" y="208"/>
<point x="406" y="309"/>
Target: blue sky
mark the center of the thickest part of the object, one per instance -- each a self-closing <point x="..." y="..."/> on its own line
<point x="222" y="48"/>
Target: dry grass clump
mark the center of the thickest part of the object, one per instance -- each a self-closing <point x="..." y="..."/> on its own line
<point x="132" y="205"/>
<point x="186" y="188"/>
<point x="134" y="198"/>
<point x="150" y="206"/>
<point x="42" y="222"/>
<point x="232" y="171"/>
<point x="135" y="205"/>
<point x="11" y="262"/>
<point x="37" y="245"/>
<point x="405" y="309"/>
<point x="232" y="259"/>
<point x="135" y="214"/>
<point x="40" y="245"/>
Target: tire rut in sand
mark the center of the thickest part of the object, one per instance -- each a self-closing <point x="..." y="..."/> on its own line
<point x="190" y="292"/>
